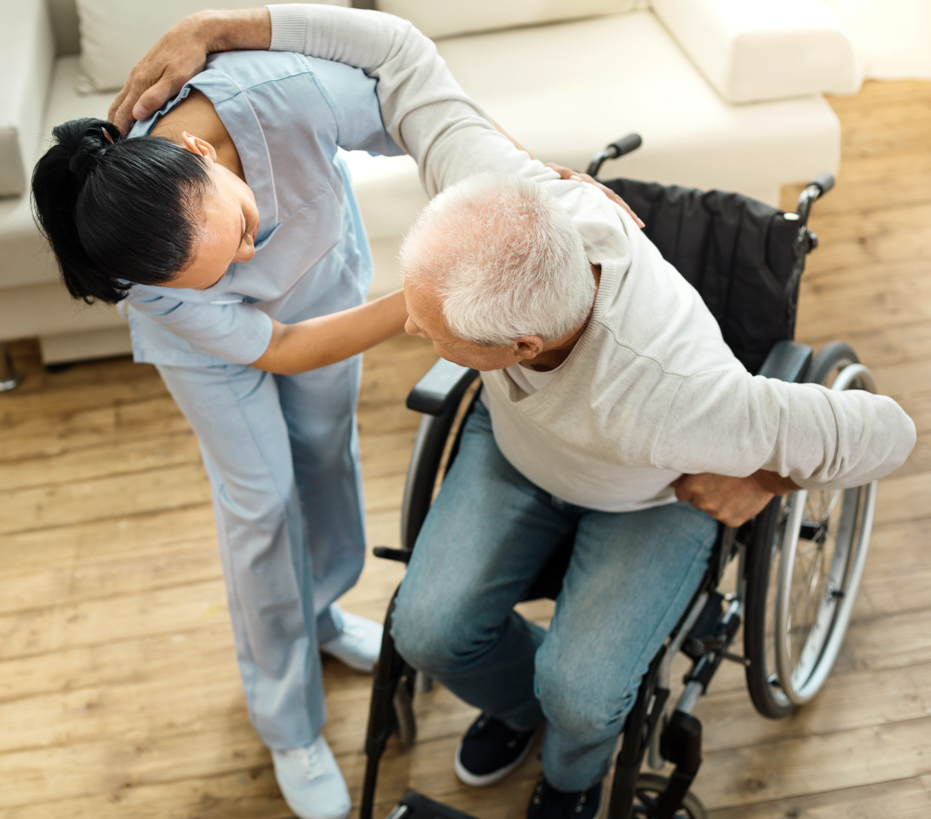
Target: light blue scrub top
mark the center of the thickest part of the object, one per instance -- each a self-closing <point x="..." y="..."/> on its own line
<point x="286" y="115"/>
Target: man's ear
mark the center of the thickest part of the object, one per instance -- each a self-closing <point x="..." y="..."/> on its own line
<point x="198" y="146"/>
<point x="528" y="347"/>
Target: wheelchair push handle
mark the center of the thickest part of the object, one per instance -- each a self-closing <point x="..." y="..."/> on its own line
<point x="619" y="147"/>
<point x="824" y="182"/>
<point x="626" y="144"/>
<point x="810" y="194"/>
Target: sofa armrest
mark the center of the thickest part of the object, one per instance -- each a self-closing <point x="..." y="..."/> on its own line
<point x="753" y="50"/>
<point x="27" y="57"/>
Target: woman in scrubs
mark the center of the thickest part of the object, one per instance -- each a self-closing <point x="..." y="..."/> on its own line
<point x="226" y="227"/>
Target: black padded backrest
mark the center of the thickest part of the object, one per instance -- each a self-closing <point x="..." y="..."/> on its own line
<point x="737" y="252"/>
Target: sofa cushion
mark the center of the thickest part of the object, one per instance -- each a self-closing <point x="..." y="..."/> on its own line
<point x="27" y="53"/>
<point x="614" y="75"/>
<point x="752" y="50"/>
<point x="444" y="18"/>
<point x="32" y="300"/>
<point x="115" y="34"/>
<point x="26" y="259"/>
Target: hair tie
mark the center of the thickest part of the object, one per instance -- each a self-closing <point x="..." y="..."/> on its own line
<point x="90" y="151"/>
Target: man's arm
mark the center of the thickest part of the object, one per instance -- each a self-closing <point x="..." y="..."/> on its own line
<point x="181" y="53"/>
<point x="423" y="107"/>
<point x="732" y="423"/>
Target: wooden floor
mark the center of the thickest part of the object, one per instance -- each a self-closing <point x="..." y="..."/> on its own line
<point x="119" y="694"/>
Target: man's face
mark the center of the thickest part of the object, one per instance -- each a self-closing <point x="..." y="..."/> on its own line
<point x="425" y="319"/>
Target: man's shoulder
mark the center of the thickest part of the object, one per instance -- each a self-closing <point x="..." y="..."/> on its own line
<point x="652" y="314"/>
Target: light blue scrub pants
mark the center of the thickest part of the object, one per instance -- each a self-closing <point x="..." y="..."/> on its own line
<point x="283" y="459"/>
<point x="488" y="533"/>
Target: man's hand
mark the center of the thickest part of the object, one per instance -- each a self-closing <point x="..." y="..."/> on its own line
<point x="568" y="173"/>
<point x="733" y="501"/>
<point x="180" y="54"/>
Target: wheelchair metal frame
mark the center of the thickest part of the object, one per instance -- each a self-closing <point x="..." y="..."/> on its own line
<point x="653" y="729"/>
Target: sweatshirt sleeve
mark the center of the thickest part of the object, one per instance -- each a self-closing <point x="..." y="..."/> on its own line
<point x="733" y="423"/>
<point x="427" y="113"/>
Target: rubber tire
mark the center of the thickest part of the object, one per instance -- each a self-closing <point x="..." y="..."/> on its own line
<point x="826" y="359"/>
<point x="759" y="557"/>
<point x="654" y="782"/>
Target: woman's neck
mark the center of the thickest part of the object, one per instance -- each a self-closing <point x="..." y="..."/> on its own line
<point x="198" y="117"/>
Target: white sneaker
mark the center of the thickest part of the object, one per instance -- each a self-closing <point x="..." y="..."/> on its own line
<point x="311" y="782"/>
<point x="358" y="644"/>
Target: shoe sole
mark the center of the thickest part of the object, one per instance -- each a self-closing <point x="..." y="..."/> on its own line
<point x="484" y="780"/>
<point x="355" y="666"/>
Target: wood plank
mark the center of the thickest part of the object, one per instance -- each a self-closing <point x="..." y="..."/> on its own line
<point x="920" y="675"/>
<point x="897" y="577"/>
<point x="175" y="487"/>
<point x="37" y="434"/>
<point x="97" y="621"/>
<point x="856" y="700"/>
<point x="113" y="457"/>
<point x="902" y="798"/>
<point x="815" y="764"/>
<point x="879" y="93"/>
<point x="119" y="662"/>
<point x="109" y="764"/>
<point x="889" y="641"/>
<point x="904" y="498"/>
<point x="143" y="535"/>
<point x="162" y="611"/>
<point x="881" y="235"/>
<point x="828" y="308"/>
<point x="249" y="793"/>
<point x="85" y="580"/>
<point x="886" y="345"/>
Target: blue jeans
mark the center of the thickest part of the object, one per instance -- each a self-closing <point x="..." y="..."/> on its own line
<point x="488" y="533"/>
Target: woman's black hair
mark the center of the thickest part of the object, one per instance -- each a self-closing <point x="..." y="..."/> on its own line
<point x="117" y="211"/>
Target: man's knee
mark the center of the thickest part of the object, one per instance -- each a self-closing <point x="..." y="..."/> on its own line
<point x="429" y="633"/>
<point x="579" y="700"/>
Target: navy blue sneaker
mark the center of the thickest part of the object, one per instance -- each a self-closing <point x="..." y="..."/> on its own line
<point x="490" y="750"/>
<point x="548" y="803"/>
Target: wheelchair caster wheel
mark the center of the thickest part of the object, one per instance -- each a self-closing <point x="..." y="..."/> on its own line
<point x="646" y="794"/>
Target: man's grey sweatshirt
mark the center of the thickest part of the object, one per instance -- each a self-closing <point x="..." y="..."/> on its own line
<point x="651" y="390"/>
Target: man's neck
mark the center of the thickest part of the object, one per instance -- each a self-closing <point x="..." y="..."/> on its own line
<point x="555" y="352"/>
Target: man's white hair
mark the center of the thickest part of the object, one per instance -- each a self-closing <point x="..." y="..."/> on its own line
<point x="504" y="259"/>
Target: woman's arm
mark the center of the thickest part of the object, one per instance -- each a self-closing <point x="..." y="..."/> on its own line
<point x="317" y="342"/>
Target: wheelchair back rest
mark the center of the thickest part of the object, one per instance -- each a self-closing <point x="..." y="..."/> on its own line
<point x="738" y="253"/>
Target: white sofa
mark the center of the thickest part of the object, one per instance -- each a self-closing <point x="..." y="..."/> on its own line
<point x="726" y="93"/>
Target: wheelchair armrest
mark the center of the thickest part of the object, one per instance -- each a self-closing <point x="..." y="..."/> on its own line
<point x="787" y="361"/>
<point x="441" y="389"/>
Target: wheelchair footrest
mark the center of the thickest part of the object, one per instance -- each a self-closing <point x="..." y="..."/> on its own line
<point x="416" y="806"/>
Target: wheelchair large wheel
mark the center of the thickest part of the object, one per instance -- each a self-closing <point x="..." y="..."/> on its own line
<point x="646" y="794"/>
<point x="804" y="568"/>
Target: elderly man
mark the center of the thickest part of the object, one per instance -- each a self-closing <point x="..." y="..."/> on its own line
<point x="607" y="390"/>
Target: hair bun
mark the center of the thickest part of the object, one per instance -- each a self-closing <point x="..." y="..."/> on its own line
<point x="86" y="141"/>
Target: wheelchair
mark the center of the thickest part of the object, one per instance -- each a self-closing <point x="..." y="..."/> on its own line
<point x="798" y="563"/>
